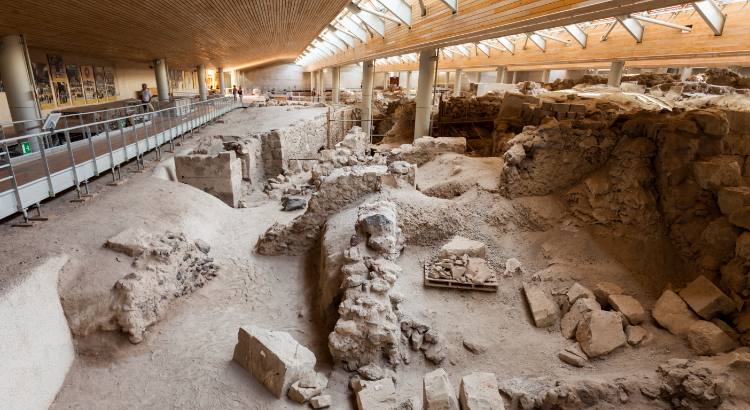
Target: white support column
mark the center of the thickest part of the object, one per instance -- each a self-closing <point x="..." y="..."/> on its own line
<point x="202" y="90"/>
<point x="513" y="81"/>
<point x="408" y="82"/>
<point x="685" y="73"/>
<point x="545" y="76"/>
<point x="386" y="80"/>
<point x="222" y="83"/>
<point x="501" y="74"/>
<point x="19" y="88"/>
<point x="615" y="73"/>
<point x="427" y="60"/>
<point x="457" y="82"/>
<point x="336" y="88"/>
<point x="312" y="82"/>
<point x="162" y="81"/>
<point x="368" y="71"/>
<point x="322" y="82"/>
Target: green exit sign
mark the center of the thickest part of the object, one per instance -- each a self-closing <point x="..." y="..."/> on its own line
<point x="25" y="147"/>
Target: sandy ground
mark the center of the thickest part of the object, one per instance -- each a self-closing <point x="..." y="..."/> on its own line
<point x="185" y="360"/>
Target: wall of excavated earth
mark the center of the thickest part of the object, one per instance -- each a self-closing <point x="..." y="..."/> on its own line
<point x="638" y="174"/>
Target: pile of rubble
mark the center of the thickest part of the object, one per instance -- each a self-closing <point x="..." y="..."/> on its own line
<point x="166" y="266"/>
<point x="425" y="149"/>
<point x="462" y="260"/>
<point x="698" y="312"/>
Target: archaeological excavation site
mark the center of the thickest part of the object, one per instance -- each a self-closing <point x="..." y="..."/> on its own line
<point x="375" y="204"/>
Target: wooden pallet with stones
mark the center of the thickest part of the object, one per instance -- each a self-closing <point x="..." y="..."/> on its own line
<point x="490" y="285"/>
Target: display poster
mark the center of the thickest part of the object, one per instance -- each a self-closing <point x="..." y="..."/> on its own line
<point x="176" y="80"/>
<point x="109" y="81"/>
<point x="101" y="85"/>
<point x="89" y="84"/>
<point x="76" y="85"/>
<point x="43" y="86"/>
<point x="59" y="79"/>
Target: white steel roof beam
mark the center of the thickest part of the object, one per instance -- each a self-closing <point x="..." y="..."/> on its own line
<point x="578" y="35"/>
<point x="354" y="27"/>
<point x="538" y="40"/>
<point x="711" y="14"/>
<point x="507" y="44"/>
<point x="483" y="48"/>
<point x="334" y="41"/>
<point x="399" y="8"/>
<point x="647" y="19"/>
<point x="452" y="4"/>
<point x="551" y="37"/>
<point x="463" y="50"/>
<point x="374" y="22"/>
<point x="633" y="26"/>
<point x="342" y="35"/>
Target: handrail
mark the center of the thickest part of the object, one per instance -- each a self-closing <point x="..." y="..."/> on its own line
<point x="154" y="129"/>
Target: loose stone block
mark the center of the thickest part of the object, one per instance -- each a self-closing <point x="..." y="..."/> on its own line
<point x="578" y="291"/>
<point x="377" y="395"/>
<point x="479" y="391"/>
<point x="706" y="299"/>
<point x="543" y="309"/>
<point x="602" y="290"/>
<point x="731" y="199"/>
<point x="673" y="314"/>
<point x="272" y="357"/>
<point x="705" y="338"/>
<point x="459" y="246"/>
<point x="132" y="242"/>
<point x="308" y="387"/>
<point x="438" y="392"/>
<point x="717" y="172"/>
<point x="600" y="332"/>
<point x="321" y="402"/>
<point x="636" y="335"/>
<point x="569" y="322"/>
<point x="630" y="307"/>
<point x="573" y="355"/>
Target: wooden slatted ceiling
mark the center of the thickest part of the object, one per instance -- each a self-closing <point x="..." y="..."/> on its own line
<point x="672" y="47"/>
<point x="482" y="19"/>
<point x="219" y="33"/>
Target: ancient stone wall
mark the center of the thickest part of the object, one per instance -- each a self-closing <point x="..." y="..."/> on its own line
<point x="218" y="174"/>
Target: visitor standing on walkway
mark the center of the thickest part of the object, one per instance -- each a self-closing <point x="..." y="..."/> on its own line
<point x="146" y="96"/>
<point x="234" y="92"/>
<point x="239" y="92"/>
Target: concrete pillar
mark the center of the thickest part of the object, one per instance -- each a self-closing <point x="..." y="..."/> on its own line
<point x="615" y="73"/>
<point x="427" y="60"/>
<point x="222" y="83"/>
<point x="19" y="88"/>
<point x="368" y="72"/>
<point x="457" y="83"/>
<point x="545" y="76"/>
<point x="322" y="84"/>
<point x="312" y="81"/>
<point x="386" y="80"/>
<point x="501" y="74"/>
<point x="515" y="76"/>
<point x="202" y="90"/>
<point x="408" y="82"/>
<point x="162" y="81"/>
<point x="336" y="88"/>
<point x="685" y="73"/>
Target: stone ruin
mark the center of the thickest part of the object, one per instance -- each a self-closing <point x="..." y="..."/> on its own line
<point x="166" y="267"/>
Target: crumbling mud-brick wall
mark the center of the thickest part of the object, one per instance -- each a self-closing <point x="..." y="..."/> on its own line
<point x="298" y="146"/>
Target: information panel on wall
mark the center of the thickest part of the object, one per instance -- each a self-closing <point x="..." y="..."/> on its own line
<point x="43" y="86"/>
<point x="59" y="80"/>
<point x="76" y="85"/>
<point x="89" y="84"/>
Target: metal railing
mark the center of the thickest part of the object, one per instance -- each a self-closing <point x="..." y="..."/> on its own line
<point x="62" y="163"/>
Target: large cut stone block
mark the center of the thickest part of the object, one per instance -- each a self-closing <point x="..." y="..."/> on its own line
<point x="272" y="357"/>
<point x="600" y="332"/>
<point x="479" y="391"/>
<point x="219" y="175"/>
<point x="717" y="172"/>
<point x="705" y="338"/>
<point x="630" y="307"/>
<point x="569" y="322"/>
<point x="459" y="246"/>
<point x="706" y="299"/>
<point x="672" y="313"/>
<point x="543" y="309"/>
<point x="377" y="395"/>
<point x="438" y="391"/>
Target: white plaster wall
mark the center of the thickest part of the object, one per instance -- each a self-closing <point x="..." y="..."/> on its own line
<point x="351" y="76"/>
<point x="281" y="77"/>
<point x="36" y="349"/>
<point x="130" y="76"/>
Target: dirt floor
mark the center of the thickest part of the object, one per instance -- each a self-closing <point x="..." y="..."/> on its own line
<point x="185" y="359"/>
